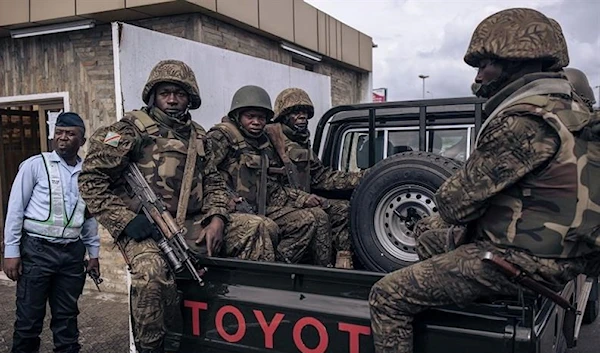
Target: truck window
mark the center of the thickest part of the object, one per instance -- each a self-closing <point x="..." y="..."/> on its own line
<point x="402" y="141"/>
<point x="450" y="143"/>
<point x="355" y="150"/>
<point x="443" y="140"/>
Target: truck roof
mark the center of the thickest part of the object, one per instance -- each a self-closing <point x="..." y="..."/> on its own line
<point x="421" y="113"/>
<point x="389" y="109"/>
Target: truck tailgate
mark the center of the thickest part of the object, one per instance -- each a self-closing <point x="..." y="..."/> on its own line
<point x="262" y="307"/>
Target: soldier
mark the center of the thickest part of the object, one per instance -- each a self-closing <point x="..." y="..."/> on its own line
<point x="524" y="192"/>
<point x="581" y="86"/>
<point x="157" y="138"/>
<point x="247" y="159"/>
<point x="293" y="109"/>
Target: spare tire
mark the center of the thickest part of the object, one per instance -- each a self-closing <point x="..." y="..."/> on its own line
<point x="391" y="198"/>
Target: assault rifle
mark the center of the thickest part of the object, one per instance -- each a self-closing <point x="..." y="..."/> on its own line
<point x="170" y="240"/>
<point x="95" y="276"/>
<point x="518" y="276"/>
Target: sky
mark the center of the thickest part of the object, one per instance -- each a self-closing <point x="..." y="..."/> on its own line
<point x="431" y="37"/>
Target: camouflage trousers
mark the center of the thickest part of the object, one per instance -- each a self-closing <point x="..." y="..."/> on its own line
<point x="155" y="309"/>
<point x="305" y="235"/>
<point x="339" y="212"/>
<point x="457" y="276"/>
<point x="246" y="236"/>
<point x="154" y="300"/>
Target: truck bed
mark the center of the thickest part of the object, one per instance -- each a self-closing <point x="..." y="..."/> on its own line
<point x="267" y="307"/>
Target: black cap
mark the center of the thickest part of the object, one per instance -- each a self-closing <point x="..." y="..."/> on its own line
<point x="70" y="119"/>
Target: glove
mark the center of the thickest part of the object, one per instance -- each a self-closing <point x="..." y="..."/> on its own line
<point x="140" y="228"/>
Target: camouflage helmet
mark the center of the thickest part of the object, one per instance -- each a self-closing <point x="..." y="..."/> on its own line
<point x="250" y="97"/>
<point x="292" y="99"/>
<point x="177" y="72"/>
<point x="581" y="85"/>
<point x="515" y="34"/>
<point x="562" y="50"/>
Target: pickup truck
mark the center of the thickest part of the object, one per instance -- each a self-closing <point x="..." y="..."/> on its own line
<point x="249" y="306"/>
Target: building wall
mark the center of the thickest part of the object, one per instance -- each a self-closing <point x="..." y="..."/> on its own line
<point x="82" y="64"/>
<point x="294" y="21"/>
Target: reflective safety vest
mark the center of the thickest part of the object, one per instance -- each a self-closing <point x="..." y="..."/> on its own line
<point x="58" y="224"/>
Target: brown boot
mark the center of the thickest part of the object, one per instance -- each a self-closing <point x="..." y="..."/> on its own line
<point x="343" y="259"/>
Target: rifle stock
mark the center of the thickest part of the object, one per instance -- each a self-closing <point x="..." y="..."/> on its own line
<point x="516" y="275"/>
<point x="171" y="241"/>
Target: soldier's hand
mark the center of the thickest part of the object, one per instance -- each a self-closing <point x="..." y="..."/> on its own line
<point x="140" y="228"/>
<point x="93" y="266"/>
<point x="13" y="268"/>
<point x="213" y="233"/>
<point x="312" y="201"/>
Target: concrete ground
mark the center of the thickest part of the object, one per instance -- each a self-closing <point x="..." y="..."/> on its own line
<point x="103" y="323"/>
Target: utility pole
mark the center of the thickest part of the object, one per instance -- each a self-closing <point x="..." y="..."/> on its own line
<point x="423" y="77"/>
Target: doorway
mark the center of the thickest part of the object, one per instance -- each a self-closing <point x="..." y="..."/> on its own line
<point x="24" y="132"/>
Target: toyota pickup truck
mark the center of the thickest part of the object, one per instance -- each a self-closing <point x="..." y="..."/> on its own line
<point x="411" y="147"/>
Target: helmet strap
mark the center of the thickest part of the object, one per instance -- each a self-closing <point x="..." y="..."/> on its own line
<point x="491" y="88"/>
<point x="288" y="122"/>
<point x="151" y="99"/>
<point x="511" y="71"/>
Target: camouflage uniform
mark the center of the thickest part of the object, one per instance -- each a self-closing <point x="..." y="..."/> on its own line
<point x="521" y="193"/>
<point x="158" y="144"/>
<point x="312" y="173"/>
<point x="304" y="233"/>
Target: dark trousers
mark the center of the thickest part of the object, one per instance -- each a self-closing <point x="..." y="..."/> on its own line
<point x="51" y="273"/>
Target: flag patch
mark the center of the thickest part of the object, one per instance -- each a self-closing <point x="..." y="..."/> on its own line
<point x="112" y="139"/>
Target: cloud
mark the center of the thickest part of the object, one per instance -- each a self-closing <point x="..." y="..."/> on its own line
<point x="431" y="37"/>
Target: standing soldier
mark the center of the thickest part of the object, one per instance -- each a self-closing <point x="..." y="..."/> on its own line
<point x="525" y="191"/>
<point x="293" y="109"/>
<point x="246" y="158"/>
<point x="157" y="138"/>
<point x="46" y="235"/>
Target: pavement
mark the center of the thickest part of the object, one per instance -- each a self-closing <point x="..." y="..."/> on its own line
<point x="103" y="323"/>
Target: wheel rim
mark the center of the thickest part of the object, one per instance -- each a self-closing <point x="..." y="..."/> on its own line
<point x="396" y="215"/>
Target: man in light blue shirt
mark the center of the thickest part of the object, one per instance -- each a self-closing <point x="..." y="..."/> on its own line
<point x="46" y="235"/>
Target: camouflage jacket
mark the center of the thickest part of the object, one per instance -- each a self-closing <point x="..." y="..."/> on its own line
<point x="527" y="184"/>
<point x="160" y="152"/>
<point x="313" y="174"/>
<point x="238" y="158"/>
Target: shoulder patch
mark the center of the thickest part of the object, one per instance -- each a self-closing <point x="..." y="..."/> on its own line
<point x="112" y="139"/>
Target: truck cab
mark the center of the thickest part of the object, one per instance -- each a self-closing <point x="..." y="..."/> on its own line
<point x="353" y="137"/>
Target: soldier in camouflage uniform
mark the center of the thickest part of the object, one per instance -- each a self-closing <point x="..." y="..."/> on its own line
<point x="156" y="138"/>
<point x="581" y="86"/>
<point x="293" y="108"/>
<point x="247" y="160"/>
<point x="525" y="192"/>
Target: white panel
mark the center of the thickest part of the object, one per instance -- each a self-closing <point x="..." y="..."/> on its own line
<point x="219" y="73"/>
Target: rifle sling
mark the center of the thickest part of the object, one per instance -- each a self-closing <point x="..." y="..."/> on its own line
<point x="275" y="134"/>
<point x="262" y="187"/>
<point x="186" y="185"/>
